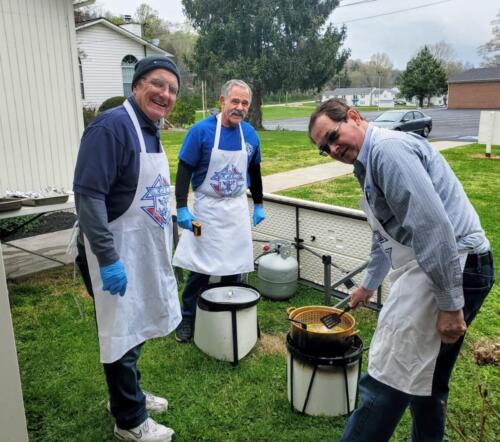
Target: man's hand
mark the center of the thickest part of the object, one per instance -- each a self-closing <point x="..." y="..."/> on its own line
<point x="185" y="219"/>
<point x="114" y="278"/>
<point x="451" y="326"/>
<point x="258" y="214"/>
<point x="361" y="296"/>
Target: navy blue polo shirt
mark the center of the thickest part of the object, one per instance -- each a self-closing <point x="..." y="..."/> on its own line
<point x="107" y="167"/>
<point x="199" y="141"/>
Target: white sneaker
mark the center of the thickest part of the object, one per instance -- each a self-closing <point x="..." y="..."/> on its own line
<point x="154" y="404"/>
<point x="148" y="431"/>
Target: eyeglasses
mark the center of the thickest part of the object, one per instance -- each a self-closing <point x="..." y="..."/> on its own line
<point x="331" y="138"/>
<point x="162" y="86"/>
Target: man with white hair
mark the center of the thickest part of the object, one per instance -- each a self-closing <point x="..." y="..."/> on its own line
<point x="220" y="156"/>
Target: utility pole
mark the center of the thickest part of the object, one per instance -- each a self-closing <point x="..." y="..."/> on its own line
<point x="203" y="97"/>
<point x="378" y="101"/>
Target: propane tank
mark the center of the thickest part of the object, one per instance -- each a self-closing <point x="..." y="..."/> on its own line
<point x="277" y="271"/>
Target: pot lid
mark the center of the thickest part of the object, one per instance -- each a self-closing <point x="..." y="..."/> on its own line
<point x="230" y="295"/>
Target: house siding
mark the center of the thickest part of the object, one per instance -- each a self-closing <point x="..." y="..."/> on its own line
<point x="41" y="119"/>
<point x="474" y="95"/>
<point x="101" y="51"/>
<point x="364" y="95"/>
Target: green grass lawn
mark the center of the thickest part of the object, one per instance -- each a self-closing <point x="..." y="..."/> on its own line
<point x="297" y="110"/>
<point x="63" y="384"/>
<point x="481" y="180"/>
<point x="281" y="150"/>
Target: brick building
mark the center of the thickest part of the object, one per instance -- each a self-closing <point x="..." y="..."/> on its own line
<point x="475" y="89"/>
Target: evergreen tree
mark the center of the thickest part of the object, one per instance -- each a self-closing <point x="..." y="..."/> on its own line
<point x="271" y="44"/>
<point x="424" y="77"/>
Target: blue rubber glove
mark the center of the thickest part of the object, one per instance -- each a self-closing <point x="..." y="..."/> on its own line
<point x="258" y="214"/>
<point x="185" y="219"/>
<point x="114" y="278"/>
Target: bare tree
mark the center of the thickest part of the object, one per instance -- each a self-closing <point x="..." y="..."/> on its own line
<point x="380" y="68"/>
<point x="446" y="55"/>
<point x="490" y="51"/>
<point x="152" y="25"/>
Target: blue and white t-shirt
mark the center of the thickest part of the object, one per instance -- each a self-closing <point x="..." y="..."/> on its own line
<point x="197" y="146"/>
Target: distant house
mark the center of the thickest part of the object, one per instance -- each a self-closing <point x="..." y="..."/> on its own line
<point x="475" y="89"/>
<point x="353" y="96"/>
<point x="436" y="100"/>
<point x="107" y="54"/>
<point x="384" y="97"/>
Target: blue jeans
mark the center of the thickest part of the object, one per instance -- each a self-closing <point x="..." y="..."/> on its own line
<point x="127" y="401"/>
<point x="195" y="284"/>
<point x="383" y="406"/>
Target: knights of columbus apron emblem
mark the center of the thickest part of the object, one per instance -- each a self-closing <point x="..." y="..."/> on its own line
<point x="227" y="182"/>
<point x="159" y="195"/>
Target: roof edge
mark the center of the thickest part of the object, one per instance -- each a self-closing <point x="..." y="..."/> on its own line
<point x="125" y="32"/>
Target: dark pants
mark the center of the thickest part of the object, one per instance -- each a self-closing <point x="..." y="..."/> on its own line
<point x="195" y="284"/>
<point x="128" y="403"/>
<point x="83" y="266"/>
<point x="382" y="406"/>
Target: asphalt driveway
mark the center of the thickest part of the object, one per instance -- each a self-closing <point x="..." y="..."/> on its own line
<point x="447" y="124"/>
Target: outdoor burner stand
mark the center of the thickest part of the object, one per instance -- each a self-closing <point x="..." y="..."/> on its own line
<point x="233" y="309"/>
<point x="353" y="354"/>
<point x="329" y="288"/>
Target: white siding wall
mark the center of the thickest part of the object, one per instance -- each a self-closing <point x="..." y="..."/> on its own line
<point x="101" y="51"/>
<point x="40" y="117"/>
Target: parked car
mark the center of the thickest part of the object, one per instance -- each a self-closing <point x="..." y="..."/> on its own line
<point x="400" y="101"/>
<point x="407" y="121"/>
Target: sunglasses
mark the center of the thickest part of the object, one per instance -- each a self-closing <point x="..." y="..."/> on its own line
<point x="332" y="137"/>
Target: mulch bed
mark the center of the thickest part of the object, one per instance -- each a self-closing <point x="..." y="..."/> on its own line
<point x="49" y="223"/>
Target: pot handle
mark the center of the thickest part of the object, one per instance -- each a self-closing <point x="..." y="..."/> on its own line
<point x="290" y="310"/>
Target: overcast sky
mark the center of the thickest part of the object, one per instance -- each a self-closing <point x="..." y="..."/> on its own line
<point x="464" y="24"/>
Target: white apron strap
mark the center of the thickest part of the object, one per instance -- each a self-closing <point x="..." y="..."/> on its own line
<point x="128" y="107"/>
<point x="72" y="249"/>
<point x="218" y="131"/>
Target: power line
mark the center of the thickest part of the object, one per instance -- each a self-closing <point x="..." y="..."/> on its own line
<point x="396" y="12"/>
<point x="356" y="3"/>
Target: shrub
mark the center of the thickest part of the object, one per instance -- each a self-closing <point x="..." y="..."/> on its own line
<point x="111" y="103"/>
<point x="89" y="113"/>
<point x="10" y="224"/>
<point x="183" y="113"/>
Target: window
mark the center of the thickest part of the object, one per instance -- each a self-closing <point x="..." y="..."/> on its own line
<point x="128" y="64"/>
<point x="82" y="87"/>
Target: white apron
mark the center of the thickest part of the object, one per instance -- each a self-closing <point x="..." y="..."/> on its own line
<point x="221" y="206"/>
<point x="406" y="343"/>
<point x="143" y="240"/>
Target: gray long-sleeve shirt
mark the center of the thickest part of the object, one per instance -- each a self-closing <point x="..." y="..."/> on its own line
<point x="419" y="201"/>
<point x="93" y="221"/>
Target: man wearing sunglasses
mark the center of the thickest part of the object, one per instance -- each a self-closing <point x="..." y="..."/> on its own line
<point x="425" y="228"/>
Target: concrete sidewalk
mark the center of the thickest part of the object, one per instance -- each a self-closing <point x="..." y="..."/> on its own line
<point x="321" y="172"/>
